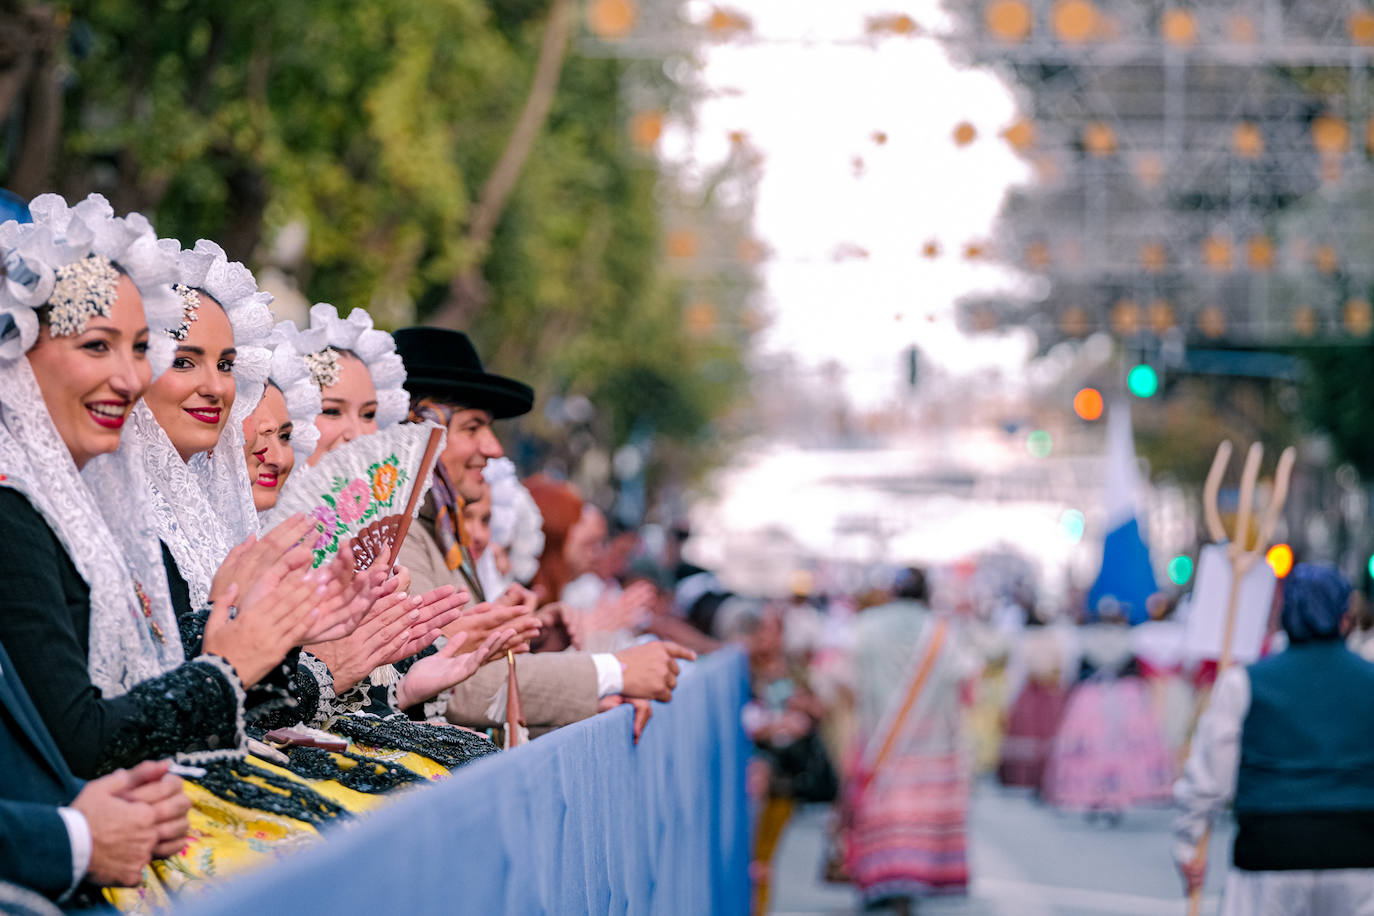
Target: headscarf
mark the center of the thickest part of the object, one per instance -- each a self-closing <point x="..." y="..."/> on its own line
<point x="1315" y="599"/>
<point x="133" y="631"/>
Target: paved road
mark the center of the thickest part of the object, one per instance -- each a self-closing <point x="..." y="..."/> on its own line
<point x="1026" y="860"/>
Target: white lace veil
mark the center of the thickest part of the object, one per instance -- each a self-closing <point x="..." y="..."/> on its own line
<point x="290" y="373"/>
<point x="200" y="509"/>
<point x="133" y="631"/>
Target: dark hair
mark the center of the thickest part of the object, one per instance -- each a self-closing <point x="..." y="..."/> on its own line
<point x="911" y="584"/>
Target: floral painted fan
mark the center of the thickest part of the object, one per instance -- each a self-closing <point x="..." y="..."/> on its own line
<point x="364" y="492"/>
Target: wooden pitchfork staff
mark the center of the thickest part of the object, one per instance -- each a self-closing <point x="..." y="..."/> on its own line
<point x="1242" y="561"/>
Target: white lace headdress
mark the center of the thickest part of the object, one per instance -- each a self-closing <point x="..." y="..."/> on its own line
<point x="291" y="374"/>
<point x="328" y="332"/>
<point x="516" y="523"/>
<point x="133" y="630"/>
<point x="201" y="508"/>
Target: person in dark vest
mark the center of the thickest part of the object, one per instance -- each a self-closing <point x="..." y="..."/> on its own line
<point x="1291" y="739"/>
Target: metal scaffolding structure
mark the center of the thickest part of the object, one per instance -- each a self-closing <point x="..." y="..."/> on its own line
<point x="1203" y="171"/>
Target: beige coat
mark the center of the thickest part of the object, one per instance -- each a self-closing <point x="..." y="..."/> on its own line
<point x="556" y="688"/>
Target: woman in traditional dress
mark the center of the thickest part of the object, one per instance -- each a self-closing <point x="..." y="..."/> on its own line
<point x="908" y="796"/>
<point x="87" y="616"/>
<point x="1109" y="754"/>
<point x="185" y="440"/>
<point x="1035" y="714"/>
<point x="360" y="379"/>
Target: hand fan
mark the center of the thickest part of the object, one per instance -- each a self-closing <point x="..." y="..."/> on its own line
<point x="364" y="492"/>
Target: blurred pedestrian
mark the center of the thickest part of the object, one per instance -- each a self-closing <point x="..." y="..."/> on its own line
<point x="1109" y="754"/>
<point x="1039" y="706"/>
<point x="909" y="795"/>
<point x="1289" y="739"/>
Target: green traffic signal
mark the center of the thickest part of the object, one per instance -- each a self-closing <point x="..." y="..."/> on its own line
<point x="1180" y="569"/>
<point x="1142" y="381"/>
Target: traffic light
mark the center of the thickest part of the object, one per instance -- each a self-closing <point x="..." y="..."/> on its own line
<point x="1142" y="381"/>
<point x="1088" y="404"/>
<point x="1280" y="559"/>
<point x="1039" y="443"/>
<point x="1181" y="569"/>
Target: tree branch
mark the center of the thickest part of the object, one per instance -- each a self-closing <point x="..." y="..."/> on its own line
<point x="468" y="292"/>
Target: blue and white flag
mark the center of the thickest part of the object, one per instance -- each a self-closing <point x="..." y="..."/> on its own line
<point x="1127" y="578"/>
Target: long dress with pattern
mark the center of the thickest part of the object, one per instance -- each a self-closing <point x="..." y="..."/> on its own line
<point x="909" y="806"/>
<point x="1110" y="753"/>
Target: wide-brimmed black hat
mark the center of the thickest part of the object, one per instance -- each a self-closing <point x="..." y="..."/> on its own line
<point x="443" y="363"/>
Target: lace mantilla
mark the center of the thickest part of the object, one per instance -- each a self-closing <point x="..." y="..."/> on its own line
<point x="178" y="503"/>
<point x="200" y="509"/>
<point x="375" y="348"/>
<point x="124" y="649"/>
<point x="516" y="523"/>
<point x="33" y="255"/>
<point x="222" y="471"/>
<point x="291" y="374"/>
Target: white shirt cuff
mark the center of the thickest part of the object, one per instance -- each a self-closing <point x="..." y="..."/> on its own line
<point x="79" y="833"/>
<point x="610" y="676"/>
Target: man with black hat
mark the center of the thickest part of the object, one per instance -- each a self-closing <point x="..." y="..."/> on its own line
<point x="448" y="384"/>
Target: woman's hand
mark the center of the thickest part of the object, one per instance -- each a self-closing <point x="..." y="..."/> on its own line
<point x="431" y="676"/>
<point x="347" y="600"/>
<point x="397" y="626"/>
<point x="281" y="550"/>
<point x="514" y="610"/>
<point x="286" y="609"/>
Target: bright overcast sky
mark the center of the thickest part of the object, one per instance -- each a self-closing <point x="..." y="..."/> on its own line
<point x="810" y="92"/>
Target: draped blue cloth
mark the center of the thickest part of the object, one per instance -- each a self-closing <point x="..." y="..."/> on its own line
<point x="1126" y="575"/>
<point x="578" y="821"/>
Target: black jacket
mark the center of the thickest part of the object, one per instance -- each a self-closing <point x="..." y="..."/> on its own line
<point x="45" y="616"/>
<point x="35" y="850"/>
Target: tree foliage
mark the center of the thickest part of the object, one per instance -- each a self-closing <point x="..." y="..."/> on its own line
<point x="372" y="127"/>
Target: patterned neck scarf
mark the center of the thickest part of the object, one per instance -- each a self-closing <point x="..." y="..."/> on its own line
<point x="449" y="530"/>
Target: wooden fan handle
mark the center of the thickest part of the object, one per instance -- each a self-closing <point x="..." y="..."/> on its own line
<point x="515" y="709"/>
<point x="426" y="462"/>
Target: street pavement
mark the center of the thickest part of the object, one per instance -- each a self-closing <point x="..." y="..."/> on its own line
<point x="1026" y="859"/>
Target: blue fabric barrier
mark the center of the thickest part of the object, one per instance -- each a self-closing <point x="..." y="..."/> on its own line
<point x="578" y="821"/>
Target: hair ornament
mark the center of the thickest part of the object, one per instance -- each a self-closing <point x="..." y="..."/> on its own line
<point x="69" y="258"/>
<point x="81" y="290"/>
<point x="191" y="299"/>
<point x="376" y="349"/>
<point x="324" y="367"/>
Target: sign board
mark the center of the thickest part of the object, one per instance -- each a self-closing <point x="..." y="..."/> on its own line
<point x="1207" y="615"/>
